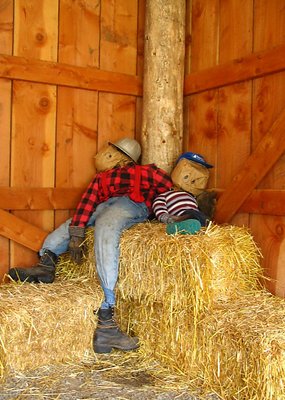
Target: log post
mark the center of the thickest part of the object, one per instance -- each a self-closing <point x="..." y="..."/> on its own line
<point x="164" y="53"/>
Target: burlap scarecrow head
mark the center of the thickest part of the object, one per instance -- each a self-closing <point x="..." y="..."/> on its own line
<point x="120" y="153"/>
<point x="191" y="173"/>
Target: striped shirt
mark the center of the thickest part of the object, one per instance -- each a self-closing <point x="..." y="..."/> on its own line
<point x="173" y="203"/>
<point x="141" y="183"/>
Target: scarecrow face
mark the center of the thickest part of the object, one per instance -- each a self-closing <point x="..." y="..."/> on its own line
<point x="190" y="176"/>
<point x="109" y="157"/>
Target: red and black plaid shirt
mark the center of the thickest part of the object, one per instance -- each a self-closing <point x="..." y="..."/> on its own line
<point x="122" y="181"/>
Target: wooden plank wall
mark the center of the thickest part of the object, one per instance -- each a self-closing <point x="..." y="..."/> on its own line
<point x="6" y="40"/>
<point x="73" y="82"/>
<point x="226" y="122"/>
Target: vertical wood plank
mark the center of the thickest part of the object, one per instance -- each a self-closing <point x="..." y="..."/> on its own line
<point x="118" y="46"/>
<point x="268" y="101"/>
<point x="77" y="109"/>
<point x="34" y="110"/>
<point x="188" y="37"/>
<point x="201" y="109"/>
<point x="116" y="117"/>
<point x="36" y="29"/>
<point x="140" y="37"/>
<point x="6" y="34"/>
<point x="79" y="32"/>
<point x="33" y="148"/>
<point x="118" y="53"/>
<point x="140" y="63"/>
<point x="234" y="117"/>
<point x="269" y="233"/>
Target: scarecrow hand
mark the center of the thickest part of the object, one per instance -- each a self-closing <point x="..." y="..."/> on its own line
<point x="77" y="234"/>
<point x="207" y="203"/>
<point x="180" y="218"/>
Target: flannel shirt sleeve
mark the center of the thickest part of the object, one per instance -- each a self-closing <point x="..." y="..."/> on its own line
<point x="87" y="204"/>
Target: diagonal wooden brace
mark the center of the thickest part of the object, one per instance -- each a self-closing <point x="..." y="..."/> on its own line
<point x="20" y="231"/>
<point x="259" y="163"/>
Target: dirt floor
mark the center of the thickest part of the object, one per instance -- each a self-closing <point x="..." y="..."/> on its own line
<point x="107" y="377"/>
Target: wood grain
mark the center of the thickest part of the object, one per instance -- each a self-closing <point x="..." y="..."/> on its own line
<point x="261" y="160"/>
<point x="234" y="101"/>
<point x="31" y="198"/>
<point x="238" y="70"/>
<point x="21" y="232"/>
<point x="265" y="202"/>
<point x="34" y="70"/>
<point x="6" y="31"/>
<point x="268" y="102"/>
<point x="34" y="113"/>
<point x="77" y="126"/>
<point x="201" y="110"/>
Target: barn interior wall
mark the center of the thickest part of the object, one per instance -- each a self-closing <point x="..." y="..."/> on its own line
<point x="43" y="124"/>
<point x="226" y="124"/>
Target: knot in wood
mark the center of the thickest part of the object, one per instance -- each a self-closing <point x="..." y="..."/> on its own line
<point x="44" y="148"/>
<point x="41" y="37"/>
<point x="279" y="230"/>
<point x="44" y="103"/>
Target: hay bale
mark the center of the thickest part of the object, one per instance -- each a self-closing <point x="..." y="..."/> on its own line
<point x="241" y="347"/>
<point x="168" y="285"/>
<point x="46" y="324"/>
<point x="219" y="262"/>
<point x="236" y="349"/>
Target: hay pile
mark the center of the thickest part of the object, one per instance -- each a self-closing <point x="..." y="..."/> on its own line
<point x="187" y="270"/>
<point x="184" y="295"/>
<point x="241" y="348"/>
<point x="46" y="324"/>
<point x="236" y="350"/>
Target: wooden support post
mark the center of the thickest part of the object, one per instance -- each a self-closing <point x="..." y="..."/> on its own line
<point x="162" y="121"/>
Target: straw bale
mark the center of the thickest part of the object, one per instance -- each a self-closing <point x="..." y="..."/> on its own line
<point x="237" y="349"/>
<point x="241" y="347"/>
<point x="46" y="324"/>
<point x="219" y="262"/>
<point x="169" y="285"/>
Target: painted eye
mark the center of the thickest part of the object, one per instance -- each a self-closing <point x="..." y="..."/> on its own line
<point x="185" y="177"/>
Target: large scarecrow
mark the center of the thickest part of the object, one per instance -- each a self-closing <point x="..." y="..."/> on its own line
<point x="188" y="206"/>
<point x="119" y="196"/>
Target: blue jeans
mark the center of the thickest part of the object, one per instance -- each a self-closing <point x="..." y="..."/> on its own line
<point x="110" y="218"/>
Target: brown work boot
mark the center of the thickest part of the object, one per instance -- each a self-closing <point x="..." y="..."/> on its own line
<point x="43" y="272"/>
<point x="108" y="336"/>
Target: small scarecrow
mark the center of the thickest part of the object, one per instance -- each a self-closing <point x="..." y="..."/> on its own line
<point x="119" y="196"/>
<point x="188" y="206"/>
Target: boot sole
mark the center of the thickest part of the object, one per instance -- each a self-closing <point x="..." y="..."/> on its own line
<point x="108" y="349"/>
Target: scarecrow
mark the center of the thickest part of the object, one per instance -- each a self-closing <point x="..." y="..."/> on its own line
<point x="188" y="206"/>
<point x="119" y="196"/>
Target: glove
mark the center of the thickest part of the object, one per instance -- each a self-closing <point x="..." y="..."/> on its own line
<point x="207" y="203"/>
<point x="169" y="219"/>
<point x="77" y="235"/>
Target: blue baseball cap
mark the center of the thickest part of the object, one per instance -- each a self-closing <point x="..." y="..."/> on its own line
<point x="194" y="157"/>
